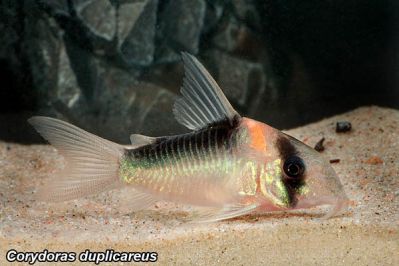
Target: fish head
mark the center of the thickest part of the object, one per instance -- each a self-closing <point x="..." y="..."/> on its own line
<point x="296" y="176"/>
<point x="310" y="178"/>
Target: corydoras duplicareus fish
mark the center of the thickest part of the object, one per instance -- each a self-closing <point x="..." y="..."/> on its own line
<point x="229" y="164"/>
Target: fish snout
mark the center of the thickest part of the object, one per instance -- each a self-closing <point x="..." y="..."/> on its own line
<point x="324" y="189"/>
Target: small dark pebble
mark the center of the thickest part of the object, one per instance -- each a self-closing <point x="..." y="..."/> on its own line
<point x="343" y="126"/>
<point x="319" y="145"/>
<point x="8" y="148"/>
<point x="335" y="161"/>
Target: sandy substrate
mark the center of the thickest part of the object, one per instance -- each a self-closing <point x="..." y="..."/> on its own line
<point x="368" y="234"/>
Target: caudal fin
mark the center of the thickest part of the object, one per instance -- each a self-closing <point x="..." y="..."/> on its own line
<point x="92" y="163"/>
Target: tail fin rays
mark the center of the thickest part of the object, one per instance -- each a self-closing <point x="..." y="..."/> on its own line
<point x="92" y="163"/>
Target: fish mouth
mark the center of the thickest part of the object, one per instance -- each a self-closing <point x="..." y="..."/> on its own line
<point x="338" y="205"/>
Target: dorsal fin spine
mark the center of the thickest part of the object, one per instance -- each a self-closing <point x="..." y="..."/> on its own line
<point x="203" y="102"/>
<point x="207" y="84"/>
<point x="196" y="82"/>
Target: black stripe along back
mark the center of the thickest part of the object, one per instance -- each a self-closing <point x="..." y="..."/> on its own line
<point x="198" y="142"/>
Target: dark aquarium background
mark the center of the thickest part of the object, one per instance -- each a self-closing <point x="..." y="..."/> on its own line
<point x="113" y="67"/>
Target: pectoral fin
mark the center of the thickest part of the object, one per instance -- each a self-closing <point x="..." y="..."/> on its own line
<point x="207" y="215"/>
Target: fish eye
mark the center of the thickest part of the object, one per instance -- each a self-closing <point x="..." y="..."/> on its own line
<point x="294" y="167"/>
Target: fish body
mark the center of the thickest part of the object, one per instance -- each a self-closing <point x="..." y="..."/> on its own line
<point x="209" y="167"/>
<point x="228" y="164"/>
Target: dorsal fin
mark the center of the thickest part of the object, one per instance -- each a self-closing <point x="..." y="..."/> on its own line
<point x="138" y="140"/>
<point x="203" y="102"/>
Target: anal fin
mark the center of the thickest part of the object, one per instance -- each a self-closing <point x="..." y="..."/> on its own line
<point x="131" y="200"/>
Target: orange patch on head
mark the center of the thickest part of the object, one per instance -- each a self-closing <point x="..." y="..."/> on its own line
<point x="257" y="136"/>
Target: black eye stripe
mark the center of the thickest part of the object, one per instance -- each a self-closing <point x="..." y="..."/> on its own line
<point x="287" y="151"/>
<point x="285" y="148"/>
